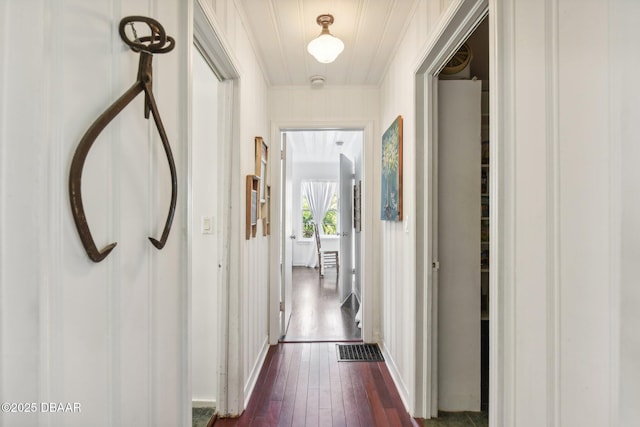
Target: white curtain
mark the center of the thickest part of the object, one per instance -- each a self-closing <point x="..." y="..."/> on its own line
<point x="319" y="195"/>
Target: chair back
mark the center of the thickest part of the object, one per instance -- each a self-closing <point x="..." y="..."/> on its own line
<point x="317" y="234"/>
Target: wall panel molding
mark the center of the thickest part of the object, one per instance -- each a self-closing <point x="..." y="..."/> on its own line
<point x="502" y="251"/>
<point x="53" y="210"/>
<point x="4" y="65"/>
<point x="554" y="330"/>
<point x="624" y="17"/>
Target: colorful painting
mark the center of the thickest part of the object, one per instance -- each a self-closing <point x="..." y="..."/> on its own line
<point x="391" y="209"/>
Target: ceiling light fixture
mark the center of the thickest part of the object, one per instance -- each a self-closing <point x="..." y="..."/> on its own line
<point x="325" y="48"/>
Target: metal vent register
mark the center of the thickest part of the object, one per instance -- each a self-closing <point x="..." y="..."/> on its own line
<point x="359" y="353"/>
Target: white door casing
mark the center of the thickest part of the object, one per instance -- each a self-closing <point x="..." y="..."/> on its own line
<point x="370" y="300"/>
<point x="288" y="238"/>
<point x="214" y="50"/>
<point x="206" y="237"/>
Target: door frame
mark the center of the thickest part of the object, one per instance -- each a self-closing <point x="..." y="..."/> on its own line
<point x="215" y="133"/>
<point x="286" y="237"/>
<point x="370" y="329"/>
<point x="205" y="37"/>
<point x="460" y="20"/>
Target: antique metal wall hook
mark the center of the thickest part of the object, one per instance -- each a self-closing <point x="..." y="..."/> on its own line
<point x="157" y="42"/>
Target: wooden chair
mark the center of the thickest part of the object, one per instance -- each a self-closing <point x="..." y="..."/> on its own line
<point x="325" y="258"/>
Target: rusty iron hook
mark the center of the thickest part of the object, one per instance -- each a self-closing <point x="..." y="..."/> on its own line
<point x="157" y="42"/>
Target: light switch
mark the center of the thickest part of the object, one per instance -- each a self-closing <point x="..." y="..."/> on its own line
<point x="406" y="224"/>
<point x="206" y="225"/>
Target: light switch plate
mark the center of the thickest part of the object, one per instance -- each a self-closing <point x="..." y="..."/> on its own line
<point x="206" y="225"/>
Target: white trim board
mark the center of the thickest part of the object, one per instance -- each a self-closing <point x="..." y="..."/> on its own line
<point x="255" y="372"/>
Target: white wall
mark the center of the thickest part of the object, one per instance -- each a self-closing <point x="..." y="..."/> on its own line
<point x="110" y="336"/>
<point x="558" y="218"/>
<point x="398" y="263"/>
<point x="564" y="115"/>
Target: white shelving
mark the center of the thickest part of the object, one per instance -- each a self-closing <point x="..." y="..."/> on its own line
<point x="484" y="207"/>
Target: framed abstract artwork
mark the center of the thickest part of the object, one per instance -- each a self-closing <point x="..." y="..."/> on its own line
<point x="262" y="159"/>
<point x="252" y="212"/>
<point x="391" y="197"/>
<point x="266" y="213"/>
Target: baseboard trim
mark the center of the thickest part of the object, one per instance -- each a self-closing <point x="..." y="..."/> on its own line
<point x="255" y="372"/>
<point x="403" y="391"/>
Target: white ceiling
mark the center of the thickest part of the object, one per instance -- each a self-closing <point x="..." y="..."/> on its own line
<point x="370" y="29"/>
<point x="320" y="146"/>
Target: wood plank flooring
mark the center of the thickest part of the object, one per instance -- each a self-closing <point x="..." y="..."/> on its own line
<point x="303" y="384"/>
<point x="316" y="311"/>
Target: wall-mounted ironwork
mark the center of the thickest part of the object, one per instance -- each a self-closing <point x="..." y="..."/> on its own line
<point x="156" y="42"/>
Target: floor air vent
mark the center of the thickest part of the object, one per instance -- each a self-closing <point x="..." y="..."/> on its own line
<point x="359" y="353"/>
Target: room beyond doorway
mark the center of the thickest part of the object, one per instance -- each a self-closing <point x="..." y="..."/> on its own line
<point x="322" y="168"/>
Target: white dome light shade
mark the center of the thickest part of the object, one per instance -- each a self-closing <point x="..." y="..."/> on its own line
<point x="325" y="48"/>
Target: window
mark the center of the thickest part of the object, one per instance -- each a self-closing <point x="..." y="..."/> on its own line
<point x="329" y="223"/>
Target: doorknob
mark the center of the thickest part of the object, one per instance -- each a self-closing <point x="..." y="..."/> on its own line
<point x="345" y="234"/>
<point x="292" y="237"/>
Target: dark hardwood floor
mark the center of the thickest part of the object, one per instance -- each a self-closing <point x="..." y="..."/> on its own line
<point x="316" y="311"/>
<point x="303" y="384"/>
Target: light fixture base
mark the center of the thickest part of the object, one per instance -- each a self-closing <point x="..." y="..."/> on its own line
<point x="324" y="20"/>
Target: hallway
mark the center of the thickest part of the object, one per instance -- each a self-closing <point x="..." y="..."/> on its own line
<point x="303" y="384"/>
<point x="120" y="337"/>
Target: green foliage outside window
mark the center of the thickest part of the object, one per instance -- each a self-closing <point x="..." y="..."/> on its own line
<point x="329" y="223"/>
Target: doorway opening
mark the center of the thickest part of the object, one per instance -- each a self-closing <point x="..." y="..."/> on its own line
<point x="461" y="227"/>
<point x="211" y="95"/>
<point x="322" y="175"/>
<point x="206" y="192"/>
<point x="437" y="389"/>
